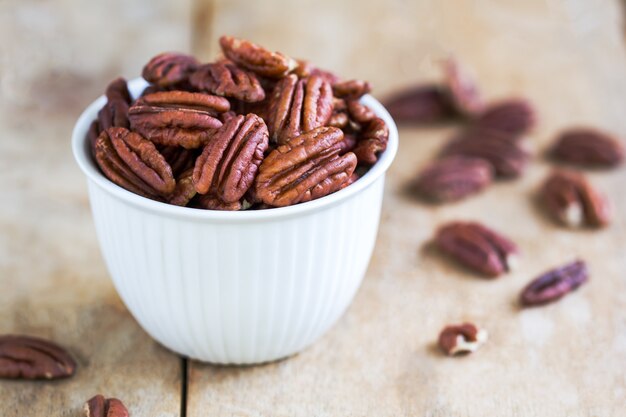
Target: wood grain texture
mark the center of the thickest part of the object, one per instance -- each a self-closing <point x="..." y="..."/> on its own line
<point x="55" y="58"/>
<point x="567" y="359"/>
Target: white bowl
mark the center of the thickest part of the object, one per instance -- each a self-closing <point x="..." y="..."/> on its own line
<point x="235" y="287"/>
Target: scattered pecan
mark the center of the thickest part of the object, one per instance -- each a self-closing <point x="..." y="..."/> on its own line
<point x="477" y="247"/>
<point x="464" y="95"/>
<point x="570" y="199"/>
<point x="507" y="157"/>
<point x="419" y="105"/>
<point x="169" y="69"/>
<point x="453" y="178"/>
<point x="26" y="357"/>
<point x="229" y="163"/>
<point x="461" y="339"/>
<point x="298" y="106"/>
<point x="133" y="163"/>
<point x="226" y="79"/>
<point x="554" y="284"/>
<point x="185" y="189"/>
<point x="515" y="116"/>
<point x="372" y="141"/>
<point x="351" y="89"/>
<point x="305" y="168"/>
<point x="256" y="58"/>
<point x="588" y="148"/>
<point x="99" y="406"/>
<point x="177" y="118"/>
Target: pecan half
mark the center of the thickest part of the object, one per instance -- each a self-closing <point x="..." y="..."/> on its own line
<point x="351" y="89"/>
<point x="588" y="148"/>
<point x="26" y="357"/>
<point x="515" y="116"/>
<point x="184" y="191"/>
<point x="229" y="163"/>
<point x="298" y="106"/>
<point x="115" y="112"/>
<point x="359" y="112"/>
<point x="226" y="79"/>
<point x="554" y="284"/>
<point x="305" y="69"/>
<point x="571" y="200"/>
<point x="169" y="69"/>
<point x="210" y="202"/>
<point x="464" y="95"/>
<point x="133" y="163"/>
<point x="461" y="339"/>
<point x="420" y="105"/>
<point x="178" y="118"/>
<point x="477" y="247"/>
<point x="256" y="58"/>
<point x="453" y="178"/>
<point x="99" y="406"/>
<point x="372" y="141"/>
<point x="507" y="157"/>
<point x="178" y="158"/>
<point x="305" y="168"/>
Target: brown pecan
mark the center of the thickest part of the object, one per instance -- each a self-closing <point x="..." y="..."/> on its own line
<point x="372" y="141"/>
<point x="305" y="69"/>
<point x="92" y="135"/>
<point x="477" y="247"/>
<point x="588" y="148"/>
<point x="351" y="89"/>
<point x="115" y="112"/>
<point x="210" y="202"/>
<point x="298" y="106"/>
<point x="515" y="116"/>
<point x="178" y="158"/>
<point x="359" y="112"/>
<point x="178" y="118"/>
<point x="26" y="357"/>
<point x="464" y="95"/>
<point x="185" y="189"/>
<point x="305" y="168"/>
<point x="169" y="69"/>
<point x="99" y="406"/>
<point x="461" y="338"/>
<point x="226" y="79"/>
<point x="256" y="58"/>
<point x="229" y="162"/>
<point x="507" y="157"/>
<point x="420" y="105"/>
<point x="133" y="163"/>
<point x="453" y="178"/>
<point x="554" y="284"/>
<point x="348" y="143"/>
<point x="570" y="199"/>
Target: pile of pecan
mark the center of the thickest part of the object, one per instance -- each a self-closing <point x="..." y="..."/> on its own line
<point x="491" y="146"/>
<point x="255" y="129"/>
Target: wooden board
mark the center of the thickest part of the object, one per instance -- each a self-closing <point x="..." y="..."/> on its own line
<point x="568" y="359"/>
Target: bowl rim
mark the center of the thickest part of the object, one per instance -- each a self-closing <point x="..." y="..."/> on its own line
<point x="87" y="164"/>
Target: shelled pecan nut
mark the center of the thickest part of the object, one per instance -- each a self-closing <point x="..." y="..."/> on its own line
<point x="26" y="357"/>
<point x="169" y="69"/>
<point x="98" y="406"/>
<point x="178" y="158"/>
<point x="507" y="157"/>
<point x="420" y="105"/>
<point x="351" y="89"/>
<point x="229" y="162"/>
<point x="184" y="191"/>
<point x="256" y="58"/>
<point x="178" y="118"/>
<point x="570" y="199"/>
<point x="359" y="112"/>
<point x="464" y="94"/>
<point x="461" y="339"/>
<point x="227" y="80"/>
<point x="554" y="284"/>
<point x="115" y="112"/>
<point x="477" y="247"/>
<point x="372" y="141"/>
<point x="298" y="106"/>
<point x="588" y="148"/>
<point x="305" y="168"/>
<point x="210" y="202"/>
<point x="453" y="178"/>
<point x="514" y="116"/>
<point x="133" y="163"/>
<point x="305" y="69"/>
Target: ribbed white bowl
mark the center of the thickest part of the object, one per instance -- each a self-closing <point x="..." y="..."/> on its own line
<point x="235" y="287"/>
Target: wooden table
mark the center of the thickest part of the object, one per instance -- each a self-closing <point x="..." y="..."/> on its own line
<point x="567" y="359"/>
